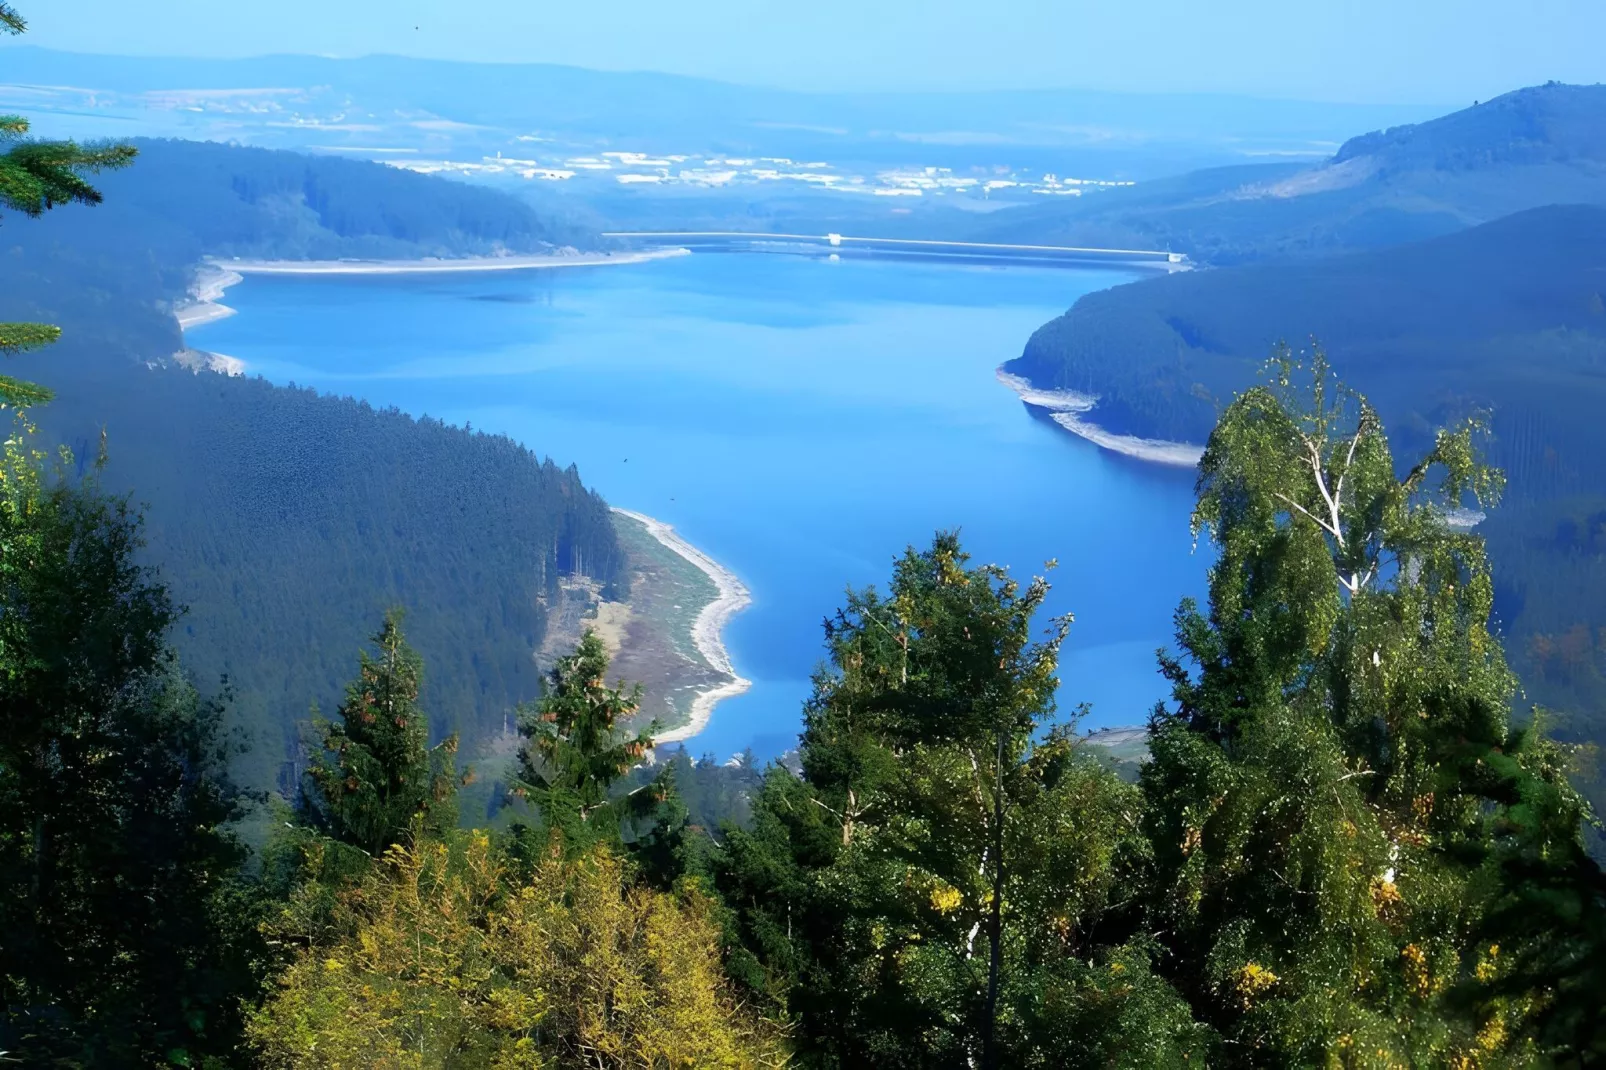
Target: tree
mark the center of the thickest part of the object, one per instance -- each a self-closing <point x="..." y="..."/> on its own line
<point x="445" y="959"/>
<point x="576" y="750"/>
<point x="35" y="176"/>
<point x="115" y="864"/>
<point x="1546" y="924"/>
<point x="374" y="774"/>
<point x="766" y="874"/>
<point x="971" y="849"/>
<point x="1323" y="799"/>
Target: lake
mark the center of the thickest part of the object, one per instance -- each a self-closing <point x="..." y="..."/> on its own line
<point x="801" y="420"/>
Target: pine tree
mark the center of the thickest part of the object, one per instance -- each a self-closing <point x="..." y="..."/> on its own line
<point x="1323" y="798"/>
<point x="35" y="176"/>
<point x="577" y="751"/>
<point x="374" y="775"/>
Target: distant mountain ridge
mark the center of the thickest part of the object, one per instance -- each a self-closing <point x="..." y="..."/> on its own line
<point x="463" y="110"/>
<point x="1529" y="148"/>
<point x="1552" y="123"/>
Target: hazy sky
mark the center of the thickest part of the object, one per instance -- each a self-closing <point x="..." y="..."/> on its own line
<point x="1416" y="51"/>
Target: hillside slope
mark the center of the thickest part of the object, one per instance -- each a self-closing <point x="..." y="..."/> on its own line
<point x="185" y="199"/>
<point x="1528" y="148"/>
<point x="1499" y="314"/>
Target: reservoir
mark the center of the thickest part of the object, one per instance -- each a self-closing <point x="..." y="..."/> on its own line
<point x="800" y="420"/>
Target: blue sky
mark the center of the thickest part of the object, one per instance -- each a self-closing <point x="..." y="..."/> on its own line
<point x="1408" y="51"/>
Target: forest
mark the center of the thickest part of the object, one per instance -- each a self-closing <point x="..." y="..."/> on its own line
<point x="1341" y="851"/>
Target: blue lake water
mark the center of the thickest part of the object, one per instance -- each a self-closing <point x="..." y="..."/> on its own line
<point x="801" y="420"/>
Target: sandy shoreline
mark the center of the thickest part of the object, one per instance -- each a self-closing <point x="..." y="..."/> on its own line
<point x="706" y="630"/>
<point x="1069" y="409"/>
<point x="439" y="267"/>
<point x="206" y="297"/>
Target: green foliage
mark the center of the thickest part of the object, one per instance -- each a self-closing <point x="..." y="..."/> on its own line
<point x="442" y="958"/>
<point x="1506" y="318"/>
<point x="116" y="872"/>
<point x="1546" y="924"/>
<point x="315" y="500"/>
<point x="766" y="875"/>
<point x="929" y="894"/>
<point x="301" y="496"/>
<point x="374" y="774"/>
<point x="39" y="175"/>
<point x="1330" y="794"/>
<point x="577" y="750"/>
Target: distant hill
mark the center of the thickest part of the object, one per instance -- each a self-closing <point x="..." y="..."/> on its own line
<point x="1508" y="316"/>
<point x="1500" y="314"/>
<point x="186" y="199"/>
<point x="1532" y="147"/>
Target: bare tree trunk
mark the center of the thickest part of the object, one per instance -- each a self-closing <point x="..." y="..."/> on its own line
<point x="995" y="922"/>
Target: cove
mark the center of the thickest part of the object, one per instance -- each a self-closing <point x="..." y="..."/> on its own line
<point x="800" y="420"/>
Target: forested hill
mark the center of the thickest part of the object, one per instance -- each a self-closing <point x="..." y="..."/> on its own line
<point x="188" y="199"/>
<point x="288" y="522"/>
<point x="1532" y="147"/>
<point x="1548" y="124"/>
<point x="1506" y="312"/>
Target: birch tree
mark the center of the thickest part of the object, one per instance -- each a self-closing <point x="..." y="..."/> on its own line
<point x="1322" y="794"/>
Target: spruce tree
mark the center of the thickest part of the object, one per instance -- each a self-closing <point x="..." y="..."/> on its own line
<point x="374" y="775"/>
<point x="576" y="751"/>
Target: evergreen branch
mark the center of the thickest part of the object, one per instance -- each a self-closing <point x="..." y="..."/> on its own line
<point x="38" y="175"/>
<point x="17" y="393"/>
<point x="10" y="21"/>
<point x="21" y="337"/>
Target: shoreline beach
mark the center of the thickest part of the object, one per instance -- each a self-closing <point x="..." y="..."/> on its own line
<point x="1069" y="409"/>
<point x="206" y="297"/>
<point x="707" y="629"/>
<point x="441" y="266"/>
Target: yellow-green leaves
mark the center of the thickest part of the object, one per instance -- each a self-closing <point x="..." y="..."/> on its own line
<point x="444" y="960"/>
